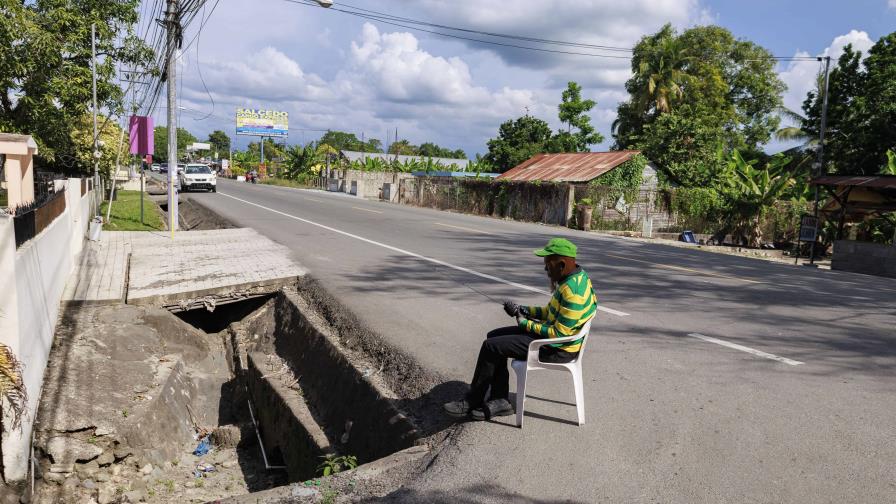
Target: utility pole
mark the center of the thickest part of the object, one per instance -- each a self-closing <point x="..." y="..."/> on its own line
<point x="172" y="22"/>
<point x="819" y="165"/>
<point x="96" y="149"/>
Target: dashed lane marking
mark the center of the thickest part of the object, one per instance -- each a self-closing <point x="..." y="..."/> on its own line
<point x="464" y="228"/>
<point x="366" y="209"/>
<point x="747" y="349"/>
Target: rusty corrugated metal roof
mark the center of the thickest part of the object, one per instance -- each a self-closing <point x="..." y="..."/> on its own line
<point x="878" y="181"/>
<point x="568" y="167"/>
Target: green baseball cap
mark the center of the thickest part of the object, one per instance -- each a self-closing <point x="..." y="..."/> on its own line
<point x="558" y="246"/>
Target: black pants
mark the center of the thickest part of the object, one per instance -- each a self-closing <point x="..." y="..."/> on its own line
<point x="491" y="367"/>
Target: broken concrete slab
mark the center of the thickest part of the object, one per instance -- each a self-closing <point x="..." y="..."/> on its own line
<point x="102" y="355"/>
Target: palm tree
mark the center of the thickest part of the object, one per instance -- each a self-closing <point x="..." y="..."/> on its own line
<point x="797" y="132"/>
<point x="660" y="76"/>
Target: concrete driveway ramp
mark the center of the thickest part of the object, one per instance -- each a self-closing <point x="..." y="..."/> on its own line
<point x="206" y="268"/>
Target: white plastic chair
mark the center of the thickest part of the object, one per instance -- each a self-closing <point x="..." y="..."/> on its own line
<point x="522" y="368"/>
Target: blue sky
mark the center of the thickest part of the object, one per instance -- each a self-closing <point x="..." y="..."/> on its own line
<point x="333" y="71"/>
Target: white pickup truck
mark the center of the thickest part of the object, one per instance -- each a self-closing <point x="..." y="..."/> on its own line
<point x="197" y="176"/>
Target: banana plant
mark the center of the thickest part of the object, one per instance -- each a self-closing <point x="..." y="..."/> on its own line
<point x="754" y="190"/>
<point x="890" y="167"/>
<point x="300" y="160"/>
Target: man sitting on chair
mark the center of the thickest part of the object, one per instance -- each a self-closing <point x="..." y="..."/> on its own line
<point x="572" y="304"/>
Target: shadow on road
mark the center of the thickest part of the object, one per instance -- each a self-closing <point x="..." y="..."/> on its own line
<point x="473" y="494"/>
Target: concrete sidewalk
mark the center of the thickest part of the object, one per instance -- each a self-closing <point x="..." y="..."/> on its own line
<point x="101" y="270"/>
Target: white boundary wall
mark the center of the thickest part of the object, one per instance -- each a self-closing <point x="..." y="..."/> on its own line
<point x="32" y="280"/>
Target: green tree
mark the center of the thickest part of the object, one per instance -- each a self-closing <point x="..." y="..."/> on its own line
<point x="722" y="92"/>
<point x="518" y="140"/>
<point x="861" y="110"/>
<point x="272" y="150"/>
<point x="219" y="141"/>
<point x="403" y="147"/>
<point x="340" y="140"/>
<point x="574" y="113"/>
<point x="430" y="149"/>
<point x="160" y="137"/>
<point x="45" y="70"/>
<point x="689" y="152"/>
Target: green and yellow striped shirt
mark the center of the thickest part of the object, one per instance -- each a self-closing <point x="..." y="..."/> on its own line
<point x="572" y="304"/>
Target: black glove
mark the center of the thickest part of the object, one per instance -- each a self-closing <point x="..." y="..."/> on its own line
<point x="511" y="308"/>
<point x="524" y="312"/>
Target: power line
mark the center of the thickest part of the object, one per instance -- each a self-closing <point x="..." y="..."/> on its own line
<point x="415" y="24"/>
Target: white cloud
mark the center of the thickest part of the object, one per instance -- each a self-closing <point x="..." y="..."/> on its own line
<point x="386" y="81"/>
<point x="800" y="76"/>
<point x="891" y="4"/>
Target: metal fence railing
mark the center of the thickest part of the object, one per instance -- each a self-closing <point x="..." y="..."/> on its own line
<point x="29" y="220"/>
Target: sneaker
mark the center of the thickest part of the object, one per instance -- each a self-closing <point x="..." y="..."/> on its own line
<point x="492" y="409"/>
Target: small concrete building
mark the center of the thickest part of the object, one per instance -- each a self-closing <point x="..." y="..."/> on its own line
<point x="17" y="177"/>
<point x="576" y="167"/>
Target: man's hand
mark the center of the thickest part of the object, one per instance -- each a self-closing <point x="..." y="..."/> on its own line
<point x="512" y="309"/>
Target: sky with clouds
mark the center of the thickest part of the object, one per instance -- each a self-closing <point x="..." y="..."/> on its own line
<point x="330" y="70"/>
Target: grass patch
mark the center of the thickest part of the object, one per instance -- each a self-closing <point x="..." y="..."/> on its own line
<point x="284" y="183"/>
<point x="126" y="213"/>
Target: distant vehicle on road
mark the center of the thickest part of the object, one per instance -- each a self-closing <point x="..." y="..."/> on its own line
<point x="163" y="168"/>
<point x="155" y="167"/>
<point x="197" y="176"/>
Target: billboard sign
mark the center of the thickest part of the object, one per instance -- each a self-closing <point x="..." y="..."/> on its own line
<point x="269" y="123"/>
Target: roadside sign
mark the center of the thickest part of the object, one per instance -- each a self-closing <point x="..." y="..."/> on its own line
<point x="808" y="228"/>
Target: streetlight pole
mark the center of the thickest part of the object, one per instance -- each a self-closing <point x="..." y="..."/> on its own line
<point x="819" y="168"/>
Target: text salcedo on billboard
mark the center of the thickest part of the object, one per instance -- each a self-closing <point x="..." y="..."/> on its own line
<point x="269" y="123"/>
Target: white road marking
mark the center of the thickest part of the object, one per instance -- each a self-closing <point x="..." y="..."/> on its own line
<point x="749" y="350"/>
<point x="463" y="228"/>
<point x="366" y="209"/>
<point x="418" y="256"/>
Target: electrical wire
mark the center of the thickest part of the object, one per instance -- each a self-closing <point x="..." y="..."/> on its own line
<point x="415" y="24"/>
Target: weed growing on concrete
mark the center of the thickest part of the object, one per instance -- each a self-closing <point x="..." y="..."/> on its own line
<point x="200" y="482"/>
<point x="333" y="464"/>
<point x="124" y="413"/>
<point x="169" y="485"/>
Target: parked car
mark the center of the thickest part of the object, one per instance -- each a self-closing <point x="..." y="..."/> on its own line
<point x="197" y="176"/>
<point x="155" y="167"/>
<point x="163" y="168"/>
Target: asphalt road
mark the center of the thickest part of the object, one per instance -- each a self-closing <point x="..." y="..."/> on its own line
<point x="709" y="378"/>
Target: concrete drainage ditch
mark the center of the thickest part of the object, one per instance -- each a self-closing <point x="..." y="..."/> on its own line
<point x="280" y="381"/>
<point x="311" y="397"/>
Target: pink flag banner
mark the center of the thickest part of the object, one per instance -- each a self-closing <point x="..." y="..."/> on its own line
<point x="141" y="135"/>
